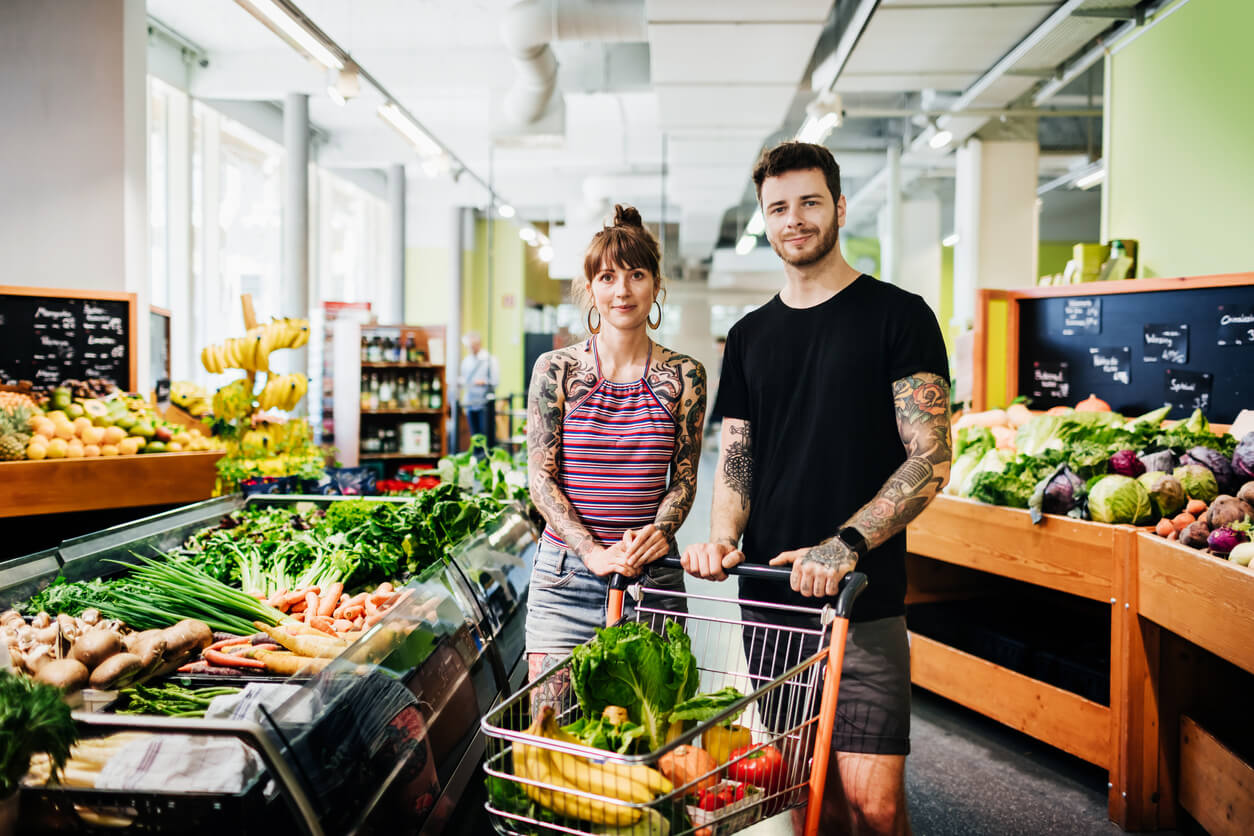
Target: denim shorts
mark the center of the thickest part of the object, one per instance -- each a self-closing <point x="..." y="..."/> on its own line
<point x="566" y="603"/>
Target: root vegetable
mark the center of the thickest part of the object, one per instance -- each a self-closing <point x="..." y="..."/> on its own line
<point x="187" y="636"/>
<point x="1164" y="527"/>
<point x="1182" y="521"/>
<point x="688" y="764"/>
<point x="330" y="598"/>
<point x="1246" y="494"/>
<point x="290" y="664"/>
<point x="132" y="640"/>
<point x="41" y="620"/>
<point x="94" y="646"/>
<point x="117" y="671"/>
<point x="1196" y="507"/>
<point x="228" y="660"/>
<point x="1194" y="536"/>
<point x="151" y="650"/>
<point x="321" y="647"/>
<point x="1226" y="510"/>
<point x="67" y="674"/>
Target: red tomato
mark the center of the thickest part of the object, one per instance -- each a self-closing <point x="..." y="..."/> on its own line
<point x="709" y="800"/>
<point x="762" y="767"/>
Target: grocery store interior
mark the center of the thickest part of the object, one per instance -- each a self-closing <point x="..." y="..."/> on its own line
<point x="278" y="275"/>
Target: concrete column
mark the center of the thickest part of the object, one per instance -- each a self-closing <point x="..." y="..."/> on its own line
<point x="73" y="148"/>
<point x="890" y="221"/>
<point x="462" y="238"/>
<point x="294" y="283"/>
<point x="395" y="295"/>
<point x="184" y="352"/>
<point x="920" y="249"/>
<point x="995" y="219"/>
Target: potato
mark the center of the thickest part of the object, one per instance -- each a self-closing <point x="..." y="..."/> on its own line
<point x="1226" y="510"/>
<point x="1195" y="535"/>
<point x="132" y="640"/>
<point x="1246" y="494"/>
<point x="151" y="649"/>
<point x="116" y="671"/>
<point x="186" y="636"/>
<point x="69" y="675"/>
<point x="94" y="646"/>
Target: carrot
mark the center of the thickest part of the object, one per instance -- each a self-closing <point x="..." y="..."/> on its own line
<point x="311" y="602"/>
<point x="351" y="613"/>
<point x="1195" y="507"/>
<point x="277" y="598"/>
<point x="230" y="642"/>
<point x="371" y="608"/>
<point x="228" y="660"/>
<point x="1182" y="521"/>
<point x="404" y="593"/>
<point x="300" y="616"/>
<point x="323" y="647"/>
<point x="1164" y="527"/>
<point x="341" y="625"/>
<point x="298" y="607"/>
<point x="289" y="664"/>
<point x="372" y="620"/>
<point x="327" y="604"/>
<point x="359" y="622"/>
<point x="381" y="597"/>
<point x="386" y="586"/>
<point x="323" y="623"/>
<point x="292" y="598"/>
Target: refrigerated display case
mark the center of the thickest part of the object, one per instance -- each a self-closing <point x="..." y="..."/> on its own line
<point x="387" y="737"/>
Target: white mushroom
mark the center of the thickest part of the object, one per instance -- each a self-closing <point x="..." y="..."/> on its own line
<point x="41" y="620"/>
<point x="90" y="616"/>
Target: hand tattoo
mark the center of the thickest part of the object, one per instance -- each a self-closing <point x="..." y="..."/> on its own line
<point x="738" y="463"/>
<point x="832" y="555"/>
<point x="921" y="402"/>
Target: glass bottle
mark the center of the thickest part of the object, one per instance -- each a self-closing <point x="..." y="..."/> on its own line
<point x="385" y="392"/>
<point x="374" y="391"/>
<point x="411" y="351"/>
<point x="437" y="397"/>
<point x="365" y="349"/>
<point x="376" y="351"/>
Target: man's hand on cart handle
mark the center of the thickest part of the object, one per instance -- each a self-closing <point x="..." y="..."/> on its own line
<point x="816" y="572"/>
<point x="709" y="560"/>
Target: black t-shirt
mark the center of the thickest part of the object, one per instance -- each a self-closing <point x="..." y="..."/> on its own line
<point x="815" y="385"/>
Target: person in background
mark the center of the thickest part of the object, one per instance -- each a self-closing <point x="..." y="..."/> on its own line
<point x="613" y="439"/>
<point x="477" y="380"/>
<point x="835" y="405"/>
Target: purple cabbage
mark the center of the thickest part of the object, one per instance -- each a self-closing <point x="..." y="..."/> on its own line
<point x="1224" y="540"/>
<point x="1125" y="463"/>
<point x="1161" y="460"/>
<point x="1243" y="457"/>
<point x="1217" y="463"/>
<point x="1062" y="492"/>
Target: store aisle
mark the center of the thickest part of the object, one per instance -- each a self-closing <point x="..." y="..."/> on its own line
<point x="966" y="775"/>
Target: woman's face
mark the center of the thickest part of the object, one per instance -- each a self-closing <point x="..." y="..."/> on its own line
<point x="623" y="295"/>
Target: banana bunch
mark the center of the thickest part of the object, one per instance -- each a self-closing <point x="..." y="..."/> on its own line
<point x="636" y="785"/>
<point x="283" y="391"/>
<point x="234" y="400"/>
<point x="191" y="397"/>
<point x="252" y="352"/>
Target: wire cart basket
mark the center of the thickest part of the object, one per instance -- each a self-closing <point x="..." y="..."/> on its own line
<point x="577" y="789"/>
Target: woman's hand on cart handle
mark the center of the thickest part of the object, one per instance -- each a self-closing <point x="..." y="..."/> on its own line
<point x="711" y="560"/>
<point x="606" y="561"/>
<point x="645" y="546"/>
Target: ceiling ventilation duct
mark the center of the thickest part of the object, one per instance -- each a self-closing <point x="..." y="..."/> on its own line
<point x="529" y="29"/>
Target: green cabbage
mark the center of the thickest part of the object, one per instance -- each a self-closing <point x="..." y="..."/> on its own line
<point x="1198" y="482"/>
<point x="1120" y="499"/>
<point x="1165" y="492"/>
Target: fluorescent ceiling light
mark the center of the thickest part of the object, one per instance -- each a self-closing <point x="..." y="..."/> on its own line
<point x="940" y="139"/>
<point x="435" y="166"/>
<point x="546" y="253"/>
<point x="291" y="27"/>
<point x="757" y="224"/>
<point x="394" y="116"/>
<point x="950" y="240"/>
<point x="505" y="210"/>
<point x="746" y="244"/>
<point x="816" y="130"/>
<point x="336" y="96"/>
<point x="1090" y="180"/>
<point x="528" y="234"/>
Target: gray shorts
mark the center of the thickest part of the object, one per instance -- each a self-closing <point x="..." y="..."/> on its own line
<point x="873" y="705"/>
<point x="566" y="603"/>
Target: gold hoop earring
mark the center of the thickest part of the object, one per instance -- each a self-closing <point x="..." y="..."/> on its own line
<point x="658" y="324"/>
<point x="597" y="329"/>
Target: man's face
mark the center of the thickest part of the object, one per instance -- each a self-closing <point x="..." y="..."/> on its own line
<point x="473" y="344"/>
<point x="802" y="219"/>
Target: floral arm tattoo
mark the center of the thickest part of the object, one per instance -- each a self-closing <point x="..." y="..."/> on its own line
<point x="545" y="405"/>
<point x="921" y="402"/>
<point x="690" y="418"/>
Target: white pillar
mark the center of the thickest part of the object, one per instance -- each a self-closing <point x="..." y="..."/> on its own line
<point x="294" y="284"/>
<point x="73" y="149"/>
<point x="394" y="298"/>
<point x="920" y="249"/>
<point x="995" y="219"/>
<point x="462" y="239"/>
<point x="890" y="221"/>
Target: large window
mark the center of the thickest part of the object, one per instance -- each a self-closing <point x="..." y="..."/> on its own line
<point x="159" y="193"/>
<point x="352" y="230"/>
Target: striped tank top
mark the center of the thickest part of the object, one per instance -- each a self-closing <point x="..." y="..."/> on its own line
<point x="617" y="445"/>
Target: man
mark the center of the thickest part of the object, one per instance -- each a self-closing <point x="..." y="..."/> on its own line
<point x="478" y="378"/>
<point x="834" y="397"/>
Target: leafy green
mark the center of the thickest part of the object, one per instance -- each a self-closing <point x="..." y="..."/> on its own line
<point x="631" y="666"/>
<point x="34" y="718"/>
<point x="1120" y="499"/>
<point x="602" y="734"/>
<point x="978" y="439"/>
<point x="1196" y="432"/>
<point x="705" y="707"/>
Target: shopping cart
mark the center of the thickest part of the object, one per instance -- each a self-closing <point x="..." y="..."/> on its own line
<point x="784" y="714"/>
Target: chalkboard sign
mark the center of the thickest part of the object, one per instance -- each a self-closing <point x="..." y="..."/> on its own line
<point x="50" y="336"/>
<point x="1049" y="380"/>
<point x="1175" y="325"/>
<point x="1081" y="316"/>
<point x="1167" y="344"/>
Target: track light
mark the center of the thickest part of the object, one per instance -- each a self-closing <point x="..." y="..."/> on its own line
<point x="293" y="30"/>
<point x="1091" y="179"/>
<point x="546" y="253"/>
<point x="505" y="210"/>
<point x="746" y="244"/>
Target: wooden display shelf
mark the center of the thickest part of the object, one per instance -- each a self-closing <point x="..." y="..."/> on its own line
<point x="1201" y="598"/>
<point x="1216" y="785"/>
<point x="386" y="456"/>
<point x="1061" y="553"/>
<point x="64" y="485"/>
<point x="401" y="366"/>
<point x="1057" y="717"/>
<point x="402" y="412"/>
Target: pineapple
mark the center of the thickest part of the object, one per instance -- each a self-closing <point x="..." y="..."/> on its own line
<point x="14" y="432"/>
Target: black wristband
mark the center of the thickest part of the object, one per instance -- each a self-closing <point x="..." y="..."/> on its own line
<point x="853" y="538"/>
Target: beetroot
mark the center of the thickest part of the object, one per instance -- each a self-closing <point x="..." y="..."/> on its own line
<point x="1224" y="540"/>
<point x="1125" y="463"/>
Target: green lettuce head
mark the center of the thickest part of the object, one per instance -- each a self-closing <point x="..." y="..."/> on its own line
<point x="1120" y="499"/>
<point x="1166" y="492"/>
<point x="1199" y="482"/>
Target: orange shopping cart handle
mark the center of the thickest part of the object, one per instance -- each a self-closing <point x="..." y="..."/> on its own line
<point x="851" y="585"/>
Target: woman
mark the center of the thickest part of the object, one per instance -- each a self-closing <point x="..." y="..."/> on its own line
<point x="607" y="419"/>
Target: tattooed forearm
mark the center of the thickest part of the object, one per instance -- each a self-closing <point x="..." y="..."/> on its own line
<point x="730" y="512"/>
<point x="921" y="402"/>
<point x="555" y="690"/>
<point x="738" y="463"/>
<point x="689" y="418"/>
<point x="545" y="405"/>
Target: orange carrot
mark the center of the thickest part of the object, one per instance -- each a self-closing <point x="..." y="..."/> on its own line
<point x="359" y="622"/>
<point x="341" y="626"/>
<point x="381" y="597"/>
<point x="386" y="586"/>
<point x="351" y="612"/>
<point x="277" y="598"/>
<point x="298" y="607"/>
<point x="371" y="609"/>
<point x="311" y="602"/>
<point x="1196" y="507"/>
<point x="292" y="598"/>
<point x="323" y="623"/>
<point x="372" y="620"/>
<point x="228" y="660"/>
<point x="327" y="602"/>
<point x="230" y="643"/>
<point x="300" y="616"/>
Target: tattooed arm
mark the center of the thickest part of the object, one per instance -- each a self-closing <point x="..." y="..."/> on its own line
<point x="921" y="402"/>
<point x="730" y="513"/>
<point x="546" y="404"/>
<point x="657" y="540"/>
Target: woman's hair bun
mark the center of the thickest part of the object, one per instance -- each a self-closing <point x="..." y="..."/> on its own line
<point x="627" y="216"/>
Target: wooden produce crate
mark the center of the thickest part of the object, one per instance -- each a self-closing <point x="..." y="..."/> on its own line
<point x="1068" y="555"/>
<point x="65" y="485"/>
<point x="1201" y="598"/>
<point x="1216" y="785"/>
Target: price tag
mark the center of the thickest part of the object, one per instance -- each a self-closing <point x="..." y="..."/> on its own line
<point x="1115" y="362"/>
<point x="1050" y="380"/>
<point x="1187" y="391"/>
<point x="1236" y="325"/>
<point x="1167" y="344"/>
<point x="1081" y="316"/>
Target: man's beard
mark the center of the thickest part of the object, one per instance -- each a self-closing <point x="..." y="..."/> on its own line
<point x="826" y="243"/>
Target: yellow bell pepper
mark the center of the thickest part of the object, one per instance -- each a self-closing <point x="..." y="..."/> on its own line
<point x="721" y="741"/>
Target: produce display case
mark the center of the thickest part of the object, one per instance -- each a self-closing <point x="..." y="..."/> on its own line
<point x="389" y="731"/>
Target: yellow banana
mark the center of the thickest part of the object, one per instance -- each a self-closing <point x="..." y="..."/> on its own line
<point x="589" y="777"/>
<point x="302" y="332"/>
<point x="215" y="355"/>
<point x="261" y="355"/>
<point x="538" y="766"/>
<point x="651" y="779"/>
<point x="204" y="359"/>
